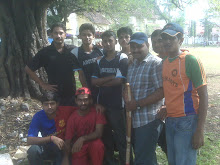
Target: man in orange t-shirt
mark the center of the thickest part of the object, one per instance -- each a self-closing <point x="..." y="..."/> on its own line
<point x="186" y="98"/>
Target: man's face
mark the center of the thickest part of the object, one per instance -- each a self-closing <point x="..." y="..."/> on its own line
<point x="58" y="35"/>
<point x="83" y="101"/>
<point x="171" y="43"/>
<point x="109" y="43"/>
<point x="124" y="39"/>
<point x="50" y="107"/>
<point x="157" y="45"/>
<point x="87" y="37"/>
<point x="139" y="51"/>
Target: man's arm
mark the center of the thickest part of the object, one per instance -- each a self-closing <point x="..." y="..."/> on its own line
<point x="114" y="82"/>
<point x="34" y="77"/>
<point x="100" y="81"/>
<point x="67" y="152"/>
<point x="151" y="99"/>
<point x="82" y="78"/>
<point x="92" y="136"/>
<point x="198" y="137"/>
<point x="43" y="140"/>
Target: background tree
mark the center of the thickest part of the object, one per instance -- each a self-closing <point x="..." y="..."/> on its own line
<point x="23" y="33"/>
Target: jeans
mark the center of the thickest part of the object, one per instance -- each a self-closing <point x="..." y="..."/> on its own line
<point x="179" y="132"/>
<point x="144" y="141"/>
<point x="37" y="154"/>
<point x="115" y="123"/>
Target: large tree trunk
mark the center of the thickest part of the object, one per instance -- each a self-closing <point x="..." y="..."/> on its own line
<point x="23" y="33"/>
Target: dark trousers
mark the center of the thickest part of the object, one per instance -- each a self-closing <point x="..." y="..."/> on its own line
<point x="37" y="154"/>
<point x="162" y="139"/>
<point x="115" y="125"/>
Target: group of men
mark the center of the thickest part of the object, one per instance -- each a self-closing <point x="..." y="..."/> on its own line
<point x="76" y="124"/>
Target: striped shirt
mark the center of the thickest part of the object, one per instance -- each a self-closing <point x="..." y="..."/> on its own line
<point x="145" y="77"/>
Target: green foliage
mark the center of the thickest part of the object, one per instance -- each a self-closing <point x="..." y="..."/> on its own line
<point x="214" y="7"/>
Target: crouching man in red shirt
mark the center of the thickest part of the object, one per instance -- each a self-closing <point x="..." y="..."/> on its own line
<point x="83" y="132"/>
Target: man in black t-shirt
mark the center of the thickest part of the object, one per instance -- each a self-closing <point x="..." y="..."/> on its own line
<point x="110" y="74"/>
<point x="85" y="57"/>
<point x="58" y="63"/>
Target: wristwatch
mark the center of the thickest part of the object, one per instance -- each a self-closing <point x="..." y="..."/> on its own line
<point x="138" y="106"/>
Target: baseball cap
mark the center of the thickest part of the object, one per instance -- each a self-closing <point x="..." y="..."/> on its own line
<point x="82" y="91"/>
<point x="139" y="38"/>
<point x="172" y="29"/>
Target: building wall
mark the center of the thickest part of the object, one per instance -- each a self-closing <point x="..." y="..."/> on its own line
<point x="75" y="21"/>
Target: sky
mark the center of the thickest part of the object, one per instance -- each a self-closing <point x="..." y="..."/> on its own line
<point x="196" y="11"/>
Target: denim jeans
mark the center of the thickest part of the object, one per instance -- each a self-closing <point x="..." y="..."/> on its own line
<point x="37" y="154"/>
<point x="144" y="141"/>
<point x="179" y="132"/>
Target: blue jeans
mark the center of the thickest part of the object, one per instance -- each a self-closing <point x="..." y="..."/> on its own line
<point x="179" y="132"/>
<point x="37" y="154"/>
<point x="144" y="141"/>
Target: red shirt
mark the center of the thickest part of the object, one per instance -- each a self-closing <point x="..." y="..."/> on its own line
<point x="62" y="115"/>
<point x="78" y="126"/>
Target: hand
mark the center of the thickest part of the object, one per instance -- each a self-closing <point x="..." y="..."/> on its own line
<point x="198" y="139"/>
<point x="48" y="87"/>
<point x="78" y="145"/>
<point x="131" y="105"/>
<point x="130" y="59"/>
<point x="162" y="113"/>
<point x="99" y="108"/>
<point x="59" y="142"/>
<point x="99" y="45"/>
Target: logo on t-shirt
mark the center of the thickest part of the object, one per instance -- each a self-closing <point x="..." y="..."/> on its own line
<point x="89" y="61"/>
<point x="174" y="72"/>
<point x="61" y="123"/>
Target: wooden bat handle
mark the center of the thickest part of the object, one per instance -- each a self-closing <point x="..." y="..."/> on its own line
<point x="129" y="91"/>
<point x="128" y="116"/>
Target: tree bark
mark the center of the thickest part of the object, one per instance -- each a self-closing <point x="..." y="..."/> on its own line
<point x="23" y="33"/>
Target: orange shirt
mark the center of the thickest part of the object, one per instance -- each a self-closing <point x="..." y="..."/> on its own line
<point x="181" y="78"/>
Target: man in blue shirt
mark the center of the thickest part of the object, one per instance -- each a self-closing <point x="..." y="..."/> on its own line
<point x="85" y="57"/>
<point x="48" y="146"/>
<point x="110" y="74"/>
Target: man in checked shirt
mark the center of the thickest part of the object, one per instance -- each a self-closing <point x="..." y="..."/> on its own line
<point x="145" y="78"/>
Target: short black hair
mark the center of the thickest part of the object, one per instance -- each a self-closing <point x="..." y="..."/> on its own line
<point x="87" y="26"/>
<point x="108" y="33"/>
<point x="50" y="96"/>
<point x="58" y="24"/>
<point x="124" y="30"/>
<point x="156" y="33"/>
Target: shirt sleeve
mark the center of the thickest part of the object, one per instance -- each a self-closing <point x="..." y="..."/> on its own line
<point x="100" y="119"/>
<point x="157" y="74"/>
<point x="123" y="66"/>
<point x="195" y="71"/>
<point x="37" y="61"/>
<point x="70" y="128"/>
<point x="34" y="127"/>
<point x="96" y="70"/>
<point x="75" y="62"/>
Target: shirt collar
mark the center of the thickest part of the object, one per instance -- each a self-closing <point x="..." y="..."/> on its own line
<point x="144" y="60"/>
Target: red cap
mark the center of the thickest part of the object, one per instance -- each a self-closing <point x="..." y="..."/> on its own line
<point x="82" y="91"/>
